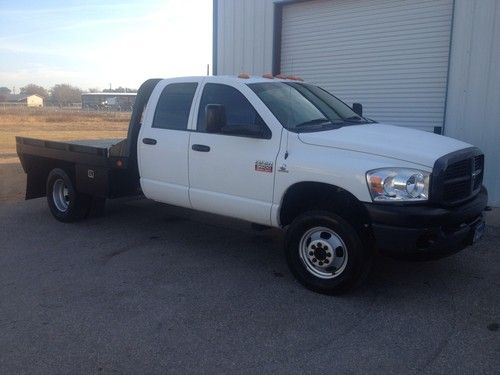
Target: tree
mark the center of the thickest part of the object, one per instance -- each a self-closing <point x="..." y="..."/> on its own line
<point x="4" y="92"/>
<point x="64" y="94"/>
<point x="33" y="89"/>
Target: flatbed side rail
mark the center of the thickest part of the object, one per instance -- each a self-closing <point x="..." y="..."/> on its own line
<point x="62" y="151"/>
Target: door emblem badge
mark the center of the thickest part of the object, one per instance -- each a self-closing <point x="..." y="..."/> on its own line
<point x="263" y="166"/>
<point x="283" y="169"/>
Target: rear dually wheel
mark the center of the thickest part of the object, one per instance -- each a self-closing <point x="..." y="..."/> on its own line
<point x="65" y="203"/>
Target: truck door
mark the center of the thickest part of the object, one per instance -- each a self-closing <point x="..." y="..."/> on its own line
<point x="232" y="173"/>
<point x="163" y="144"/>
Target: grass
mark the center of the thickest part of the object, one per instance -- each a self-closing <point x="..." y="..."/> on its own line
<point x="52" y="124"/>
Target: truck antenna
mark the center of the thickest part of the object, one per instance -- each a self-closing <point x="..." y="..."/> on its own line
<point x="286" y="148"/>
<point x="288" y="122"/>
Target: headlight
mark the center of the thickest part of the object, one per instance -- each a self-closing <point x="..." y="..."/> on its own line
<point x="398" y="184"/>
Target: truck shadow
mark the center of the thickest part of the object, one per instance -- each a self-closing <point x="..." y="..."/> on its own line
<point x="235" y="245"/>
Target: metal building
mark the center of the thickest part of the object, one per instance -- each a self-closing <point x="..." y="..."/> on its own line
<point x="428" y="64"/>
<point x="116" y="101"/>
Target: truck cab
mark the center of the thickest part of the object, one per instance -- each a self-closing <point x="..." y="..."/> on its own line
<point x="288" y="154"/>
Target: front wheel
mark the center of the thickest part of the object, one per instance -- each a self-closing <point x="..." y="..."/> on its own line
<point x="325" y="253"/>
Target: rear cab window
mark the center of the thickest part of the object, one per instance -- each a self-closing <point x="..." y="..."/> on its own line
<point x="174" y="105"/>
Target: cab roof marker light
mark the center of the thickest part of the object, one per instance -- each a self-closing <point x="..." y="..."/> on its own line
<point x="290" y="77"/>
<point x="244" y="75"/>
<point x="268" y="75"/>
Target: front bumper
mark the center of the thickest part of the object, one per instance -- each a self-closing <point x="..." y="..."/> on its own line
<point x="416" y="229"/>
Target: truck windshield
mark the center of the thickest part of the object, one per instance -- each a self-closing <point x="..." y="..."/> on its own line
<point x="302" y="107"/>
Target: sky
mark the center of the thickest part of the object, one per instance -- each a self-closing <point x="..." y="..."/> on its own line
<point x="95" y="43"/>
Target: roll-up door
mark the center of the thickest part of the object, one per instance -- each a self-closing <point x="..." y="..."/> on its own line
<point x="389" y="55"/>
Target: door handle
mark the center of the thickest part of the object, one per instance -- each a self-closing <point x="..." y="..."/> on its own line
<point x="201" y="148"/>
<point x="149" y="141"/>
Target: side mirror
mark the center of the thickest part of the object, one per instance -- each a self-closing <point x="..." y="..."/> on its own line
<point x="215" y="118"/>
<point x="358" y="109"/>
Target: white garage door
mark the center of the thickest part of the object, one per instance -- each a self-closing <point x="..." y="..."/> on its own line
<point x="389" y="55"/>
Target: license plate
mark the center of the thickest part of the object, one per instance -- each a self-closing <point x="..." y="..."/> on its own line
<point x="478" y="232"/>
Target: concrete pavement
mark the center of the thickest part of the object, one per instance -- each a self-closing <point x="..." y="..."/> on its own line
<point x="158" y="289"/>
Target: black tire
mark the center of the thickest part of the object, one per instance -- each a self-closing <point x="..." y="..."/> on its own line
<point x="75" y="205"/>
<point x="354" y="258"/>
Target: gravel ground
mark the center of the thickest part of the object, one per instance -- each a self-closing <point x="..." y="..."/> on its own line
<point x="157" y="289"/>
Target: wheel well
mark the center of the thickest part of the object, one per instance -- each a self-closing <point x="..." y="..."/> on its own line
<point x="306" y="196"/>
<point x="38" y="169"/>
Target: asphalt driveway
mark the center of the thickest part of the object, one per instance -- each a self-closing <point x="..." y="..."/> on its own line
<point x="157" y="289"/>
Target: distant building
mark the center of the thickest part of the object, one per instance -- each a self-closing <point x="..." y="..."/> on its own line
<point x="20" y="99"/>
<point x="109" y="100"/>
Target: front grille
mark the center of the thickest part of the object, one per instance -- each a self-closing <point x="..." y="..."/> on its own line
<point x="456" y="191"/>
<point x="462" y="179"/>
<point x="457" y="170"/>
<point x="478" y="171"/>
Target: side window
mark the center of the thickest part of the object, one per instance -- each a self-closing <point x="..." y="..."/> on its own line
<point x="174" y="104"/>
<point x="238" y="110"/>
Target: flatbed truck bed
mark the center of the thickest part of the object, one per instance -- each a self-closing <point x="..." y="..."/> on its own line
<point x="99" y="167"/>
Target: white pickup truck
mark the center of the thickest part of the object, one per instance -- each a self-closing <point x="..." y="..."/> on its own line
<point x="279" y="153"/>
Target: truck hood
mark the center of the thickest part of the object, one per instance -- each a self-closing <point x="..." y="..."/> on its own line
<point x="396" y="142"/>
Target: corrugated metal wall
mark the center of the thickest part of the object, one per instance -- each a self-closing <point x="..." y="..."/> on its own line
<point x="245" y="36"/>
<point x="473" y="106"/>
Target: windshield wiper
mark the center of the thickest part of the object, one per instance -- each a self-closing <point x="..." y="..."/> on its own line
<point x="354" y="118"/>
<point x="325" y="125"/>
<point x="357" y="120"/>
<point x="316" y="121"/>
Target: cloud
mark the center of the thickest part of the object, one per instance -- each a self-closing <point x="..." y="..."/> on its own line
<point x="43" y="75"/>
<point x="30" y="12"/>
<point x="38" y="50"/>
<point x="82" y="25"/>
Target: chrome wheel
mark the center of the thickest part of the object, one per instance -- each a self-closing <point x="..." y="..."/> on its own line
<point x="323" y="252"/>
<point x="60" y="195"/>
